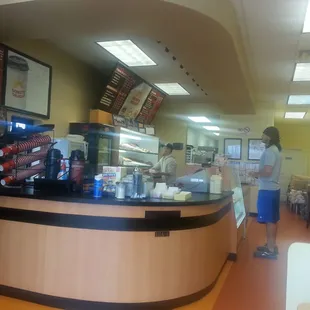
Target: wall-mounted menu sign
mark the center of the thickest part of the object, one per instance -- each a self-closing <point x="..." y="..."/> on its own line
<point x="150" y="107"/>
<point x="129" y="96"/>
<point x="117" y="90"/>
<point x="26" y="83"/>
<point x="135" y="100"/>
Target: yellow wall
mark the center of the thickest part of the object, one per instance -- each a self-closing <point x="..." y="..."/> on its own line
<point x="170" y="131"/>
<point x="295" y="136"/>
<point x="76" y="86"/>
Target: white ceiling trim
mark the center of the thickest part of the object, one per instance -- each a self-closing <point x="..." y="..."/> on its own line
<point x="6" y="2"/>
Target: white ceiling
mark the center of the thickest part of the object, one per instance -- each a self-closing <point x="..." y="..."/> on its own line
<point x="272" y="36"/>
<point x="207" y="51"/>
<point x="270" y="31"/>
<point x="167" y="69"/>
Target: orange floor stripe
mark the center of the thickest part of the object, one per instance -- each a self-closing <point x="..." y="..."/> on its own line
<point x="14" y="304"/>
<point x="208" y="302"/>
<point x="258" y="284"/>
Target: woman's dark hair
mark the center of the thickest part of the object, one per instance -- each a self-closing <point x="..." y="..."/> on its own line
<point x="274" y="135"/>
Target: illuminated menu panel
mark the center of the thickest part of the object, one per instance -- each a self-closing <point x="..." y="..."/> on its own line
<point x="129" y="96"/>
<point x="117" y="90"/>
<point x="150" y="107"/>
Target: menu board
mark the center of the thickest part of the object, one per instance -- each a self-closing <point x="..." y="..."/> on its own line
<point x="150" y="107"/>
<point x="135" y="100"/>
<point x="129" y="96"/>
<point x="117" y="90"/>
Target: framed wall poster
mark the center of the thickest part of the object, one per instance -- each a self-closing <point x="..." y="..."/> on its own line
<point x="255" y="149"/>
<point x="233" y="148"/>
<point x="26" y="84"/>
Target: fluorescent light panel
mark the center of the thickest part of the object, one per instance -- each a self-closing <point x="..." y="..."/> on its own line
<point x="212" y="128"/>
<point x="302" y="72"/>
<point x="299" y="99"/>
<point x="172" y="89"/>
<point x="216" y="133"/>
<point x="307" y="20"/>
<point x="128" y="53"/>
<point x="199" y="119"/>
<point x="296" y="115"/>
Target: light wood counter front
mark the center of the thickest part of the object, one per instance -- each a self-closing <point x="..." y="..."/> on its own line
<point x="84" y="256"/>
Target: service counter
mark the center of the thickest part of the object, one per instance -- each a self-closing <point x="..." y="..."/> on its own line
<point x="82" y="253"/>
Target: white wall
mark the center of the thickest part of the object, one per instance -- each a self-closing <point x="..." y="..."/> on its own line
<point x="230" y="124"/>
<point x="197" y="138"/>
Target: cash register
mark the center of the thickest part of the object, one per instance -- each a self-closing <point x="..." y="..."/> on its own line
<point x="199" y="182"/>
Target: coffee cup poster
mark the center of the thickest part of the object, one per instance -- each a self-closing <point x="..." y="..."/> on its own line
<point x="27" y="84"/>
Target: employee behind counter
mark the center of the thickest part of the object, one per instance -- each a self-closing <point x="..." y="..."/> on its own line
<point x="166" y="168"/>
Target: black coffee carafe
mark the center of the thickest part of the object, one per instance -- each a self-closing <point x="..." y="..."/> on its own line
<point x="52" y="164"/>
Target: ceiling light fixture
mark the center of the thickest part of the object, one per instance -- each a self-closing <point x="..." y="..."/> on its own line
<point x="296" y="115"/>
<point x="299" y="99"/>
<point x="216" y="133"/>
<point x="302" y="72"/>
<point x="307" y="20"/>
<point x="212" y="128"/>
<point x="128" y="53"/>
<point x="199" y="119"/>
<point x="172" y="89"/>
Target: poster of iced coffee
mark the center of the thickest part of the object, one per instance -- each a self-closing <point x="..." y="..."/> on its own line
<point x="27" y="87"/>
<point x="135" y="101"/>
<point x="16" y="82"/>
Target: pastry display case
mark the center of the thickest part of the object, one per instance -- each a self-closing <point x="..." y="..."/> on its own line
<point x="134" y="149"/>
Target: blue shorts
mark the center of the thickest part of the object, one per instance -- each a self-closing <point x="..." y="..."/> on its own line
<point x="268" y="206"/>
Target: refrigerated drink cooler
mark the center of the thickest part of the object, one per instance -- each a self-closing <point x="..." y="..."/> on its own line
<point x="99" y="138"/>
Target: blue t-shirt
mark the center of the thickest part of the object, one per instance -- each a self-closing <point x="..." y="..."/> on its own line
<point x="270" y="157"/>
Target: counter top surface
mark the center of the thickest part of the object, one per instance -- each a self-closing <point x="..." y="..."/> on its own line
<point x="196" y="200"/>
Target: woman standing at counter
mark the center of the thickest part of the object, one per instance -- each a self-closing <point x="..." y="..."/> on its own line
<point x="166" y="167"/>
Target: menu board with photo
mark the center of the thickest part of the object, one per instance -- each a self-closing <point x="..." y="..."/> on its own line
<point x="150" y="107"/>
<point x="129" y="96"/>
<point x="135" y="100"/>
<point x="27" y="84"/>
<point x="117" y="90"/>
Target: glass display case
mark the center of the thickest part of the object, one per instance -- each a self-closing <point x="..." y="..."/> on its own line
<point x="134" y="149"/>
<point x="232" y="182"/>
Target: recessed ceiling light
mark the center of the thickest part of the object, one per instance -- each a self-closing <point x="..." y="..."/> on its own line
<point x="172" y="89"/>
<point x="298" y="115"/>
<point x="302" y="72"/>
<point x="212" y="128"/>
<point x="128" y="53"/>
<point x="307" y="20"/>
<point x="199" y="119"/>
<point x="299" y="99"/>
<point x="216" y="133"/>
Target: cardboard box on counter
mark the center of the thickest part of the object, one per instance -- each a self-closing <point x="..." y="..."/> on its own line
<point x="113" y="174"/>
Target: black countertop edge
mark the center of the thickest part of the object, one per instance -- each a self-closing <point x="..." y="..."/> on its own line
<point x="198" y="199"/>
<point x="154" y="221"/>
